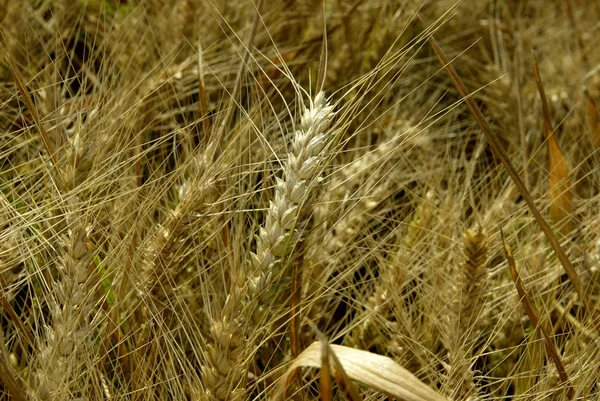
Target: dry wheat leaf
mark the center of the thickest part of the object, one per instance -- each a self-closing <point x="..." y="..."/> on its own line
<point x="376" y="371"/>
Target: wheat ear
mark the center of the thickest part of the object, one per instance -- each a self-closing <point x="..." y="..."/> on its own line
<point x="66" y="337"/>
<point x="471" y="287"/>
<point x="224" y="373"/>
<point x="383" y="303"/>
<point x="356" y="192"/>
<point x="60" y="358"/>
<point x="162" y="256"/>
<point x="285" y="227"/>
<point x="473" y="275"/>
<point x="162" y="253"/>
<point x="288" y="215"/>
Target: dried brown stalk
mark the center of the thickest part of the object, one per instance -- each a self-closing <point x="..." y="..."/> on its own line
<point x="535" y="320"/>
<point x="325" y="383"/>
<point x="504" y="158"/>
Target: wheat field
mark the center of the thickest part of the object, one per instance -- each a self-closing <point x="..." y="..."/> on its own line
<point x="300" y="200"/>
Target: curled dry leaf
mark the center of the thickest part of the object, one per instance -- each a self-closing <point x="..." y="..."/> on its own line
<point x="594" y="120"/>
<point x="534" y="316"/>
<point x="376" y="371"/>
<point x="560" y="191"/>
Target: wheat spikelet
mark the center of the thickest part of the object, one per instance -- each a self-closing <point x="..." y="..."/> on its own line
<point x="79" y="160"/>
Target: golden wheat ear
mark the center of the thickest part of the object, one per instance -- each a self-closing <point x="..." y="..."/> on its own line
<point x="288" y="214"/>
<point x="474" y="275"/>
<point x="277" y="244"/>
